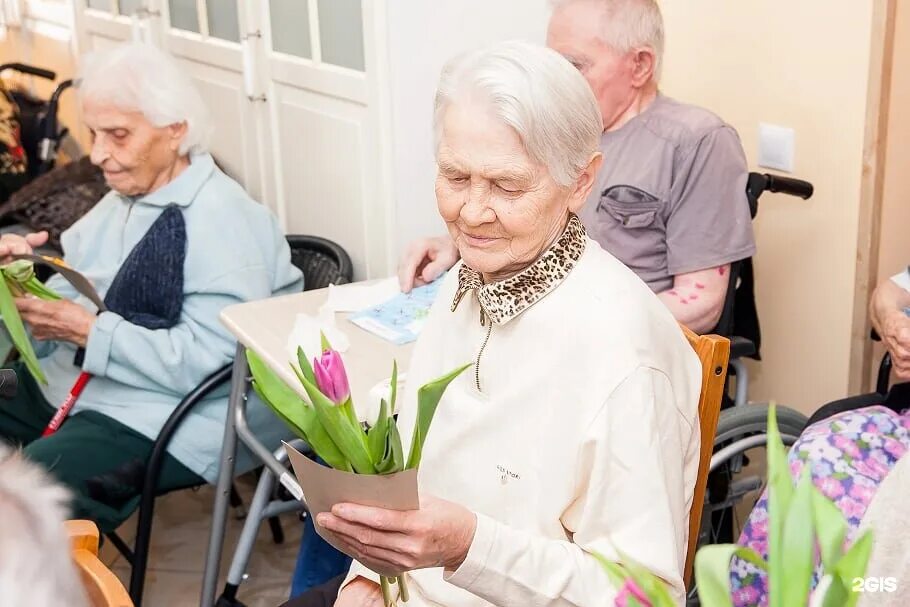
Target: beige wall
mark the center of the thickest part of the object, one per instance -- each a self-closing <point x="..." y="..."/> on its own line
<point x="53" y="52"/>
<point x="804" y="65"/>
<point x="894" y="246"/>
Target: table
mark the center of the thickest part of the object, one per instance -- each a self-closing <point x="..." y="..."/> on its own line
<point x="264" y="326"/>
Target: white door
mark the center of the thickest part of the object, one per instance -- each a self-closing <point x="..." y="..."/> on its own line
<point x="100" y="25"/>
<point x="296" y="90"/>
<point x="323" y="78"/>
<point x="207" y="36"/>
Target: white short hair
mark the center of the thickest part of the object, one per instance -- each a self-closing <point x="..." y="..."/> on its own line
<point x="36" y="563"/>
<point x="535" y="91"/>
<point x="141" y="77"/>
<point x="629" y="24"/>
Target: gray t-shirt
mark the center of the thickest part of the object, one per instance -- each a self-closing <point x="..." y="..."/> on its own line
<point x="671" y="196"/>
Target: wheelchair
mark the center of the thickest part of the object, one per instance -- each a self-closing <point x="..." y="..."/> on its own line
<point x="42" y="134"/>
<point x="45" y="142"/>
<point x="736" y="473"/>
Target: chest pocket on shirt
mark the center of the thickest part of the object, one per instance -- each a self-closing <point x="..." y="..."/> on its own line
<point x="631" y="207"/>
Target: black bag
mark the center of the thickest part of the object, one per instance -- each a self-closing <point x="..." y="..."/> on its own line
<point x="56" y="200"/>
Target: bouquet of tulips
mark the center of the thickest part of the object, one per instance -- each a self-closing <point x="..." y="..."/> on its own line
<point x="19" y="279"/>
<point x="329" y="424"/>
<point x="801" y="521"/>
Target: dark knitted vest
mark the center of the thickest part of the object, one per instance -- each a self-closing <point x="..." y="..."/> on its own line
<point x="148" y="289"/>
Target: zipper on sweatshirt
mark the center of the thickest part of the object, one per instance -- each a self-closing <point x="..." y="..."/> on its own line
<point x="484" y="320"/>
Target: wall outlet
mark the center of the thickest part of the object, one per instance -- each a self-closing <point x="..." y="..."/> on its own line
<point x="776" y="147"/>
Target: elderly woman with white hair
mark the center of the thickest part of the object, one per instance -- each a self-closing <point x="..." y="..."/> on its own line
<point x="576" y="432"/>
<point x="174" y="242"/>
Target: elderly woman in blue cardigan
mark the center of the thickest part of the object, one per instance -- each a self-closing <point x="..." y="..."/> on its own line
<point x="174" y="242"/>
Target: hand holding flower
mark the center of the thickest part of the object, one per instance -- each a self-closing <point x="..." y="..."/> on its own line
<point x="360" y="592"/>
<point x="390" y="541"/>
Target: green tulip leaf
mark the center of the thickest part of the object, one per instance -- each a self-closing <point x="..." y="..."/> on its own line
<point x="378" y="434"/>
<point x="17" y="332"/>
<point x="797" y="545"/>
<point x="295" y="412"/>
<point x="712" y="571"/>
<point x="428" y="397"/>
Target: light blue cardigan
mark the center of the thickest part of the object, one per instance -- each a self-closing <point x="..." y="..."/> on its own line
<point x="236" y="252"/>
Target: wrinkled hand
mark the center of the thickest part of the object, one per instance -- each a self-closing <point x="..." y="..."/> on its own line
<point x="390" y="541"/>
<point x="361" y="592"/>
<point x="61" y="320"/>
<point x="896" y="337"/>
<point x="14" y="244"/>
<point x="425" y="260"/>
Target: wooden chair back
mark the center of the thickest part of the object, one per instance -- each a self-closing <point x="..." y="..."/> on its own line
<point x="714" y="353"/>
<point x="101" y="585"/>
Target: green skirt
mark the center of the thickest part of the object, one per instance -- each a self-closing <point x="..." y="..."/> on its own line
<point x="100" y="460"/>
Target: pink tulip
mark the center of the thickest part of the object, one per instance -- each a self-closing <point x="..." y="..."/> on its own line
<point x="331" y="378"/>
<point x="630" y="589"/>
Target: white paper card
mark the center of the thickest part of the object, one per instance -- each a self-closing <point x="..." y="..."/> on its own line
<point x="356" y="297"/>
<point x="306" y="334"/>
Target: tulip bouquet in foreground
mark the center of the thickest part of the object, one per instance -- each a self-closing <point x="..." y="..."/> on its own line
<point x="19" y="279"/>
<point x="801" y="523"/>
<point x="329" y="424"/>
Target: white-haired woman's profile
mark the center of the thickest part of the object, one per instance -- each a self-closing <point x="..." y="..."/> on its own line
<point x="174" y="242"/>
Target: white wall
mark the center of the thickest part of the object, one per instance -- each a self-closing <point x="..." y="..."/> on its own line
<point x="422" y="36"/>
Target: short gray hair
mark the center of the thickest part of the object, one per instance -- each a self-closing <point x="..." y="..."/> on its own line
<point x="535" y="91"/>
<point x="36" y="563"/>
<point x="141" y="77"/>
<point x="629" y="24"/>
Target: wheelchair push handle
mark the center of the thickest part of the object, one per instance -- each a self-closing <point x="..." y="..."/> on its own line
<point x="788" y="185"/>
<point x="51" y="126"/>
<point x="758" y="183"/>
<point x="30" y="70"/>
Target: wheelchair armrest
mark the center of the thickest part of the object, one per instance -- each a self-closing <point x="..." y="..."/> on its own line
<point x="741" y="347"/>
<point x="882" y="383"/>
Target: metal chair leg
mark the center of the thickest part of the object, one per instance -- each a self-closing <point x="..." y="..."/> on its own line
<point x="237" y="503"/>
<point x="247" y="538"/>
<point x="121" y="546"/>
<point x="277" y="530"/>
<point x="262" y="507"/>
<point x="225" y="478"/>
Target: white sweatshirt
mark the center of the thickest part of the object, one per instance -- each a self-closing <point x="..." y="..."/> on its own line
<point x="577" y="433"/>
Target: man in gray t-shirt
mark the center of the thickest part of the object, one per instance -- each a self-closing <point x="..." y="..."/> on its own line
<point x="670" y="201"/>
<point x="671" y="196"/>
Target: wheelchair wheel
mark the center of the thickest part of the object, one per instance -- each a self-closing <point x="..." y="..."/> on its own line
<point x="737" y="473"/>
<point x="753" y="418"/>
